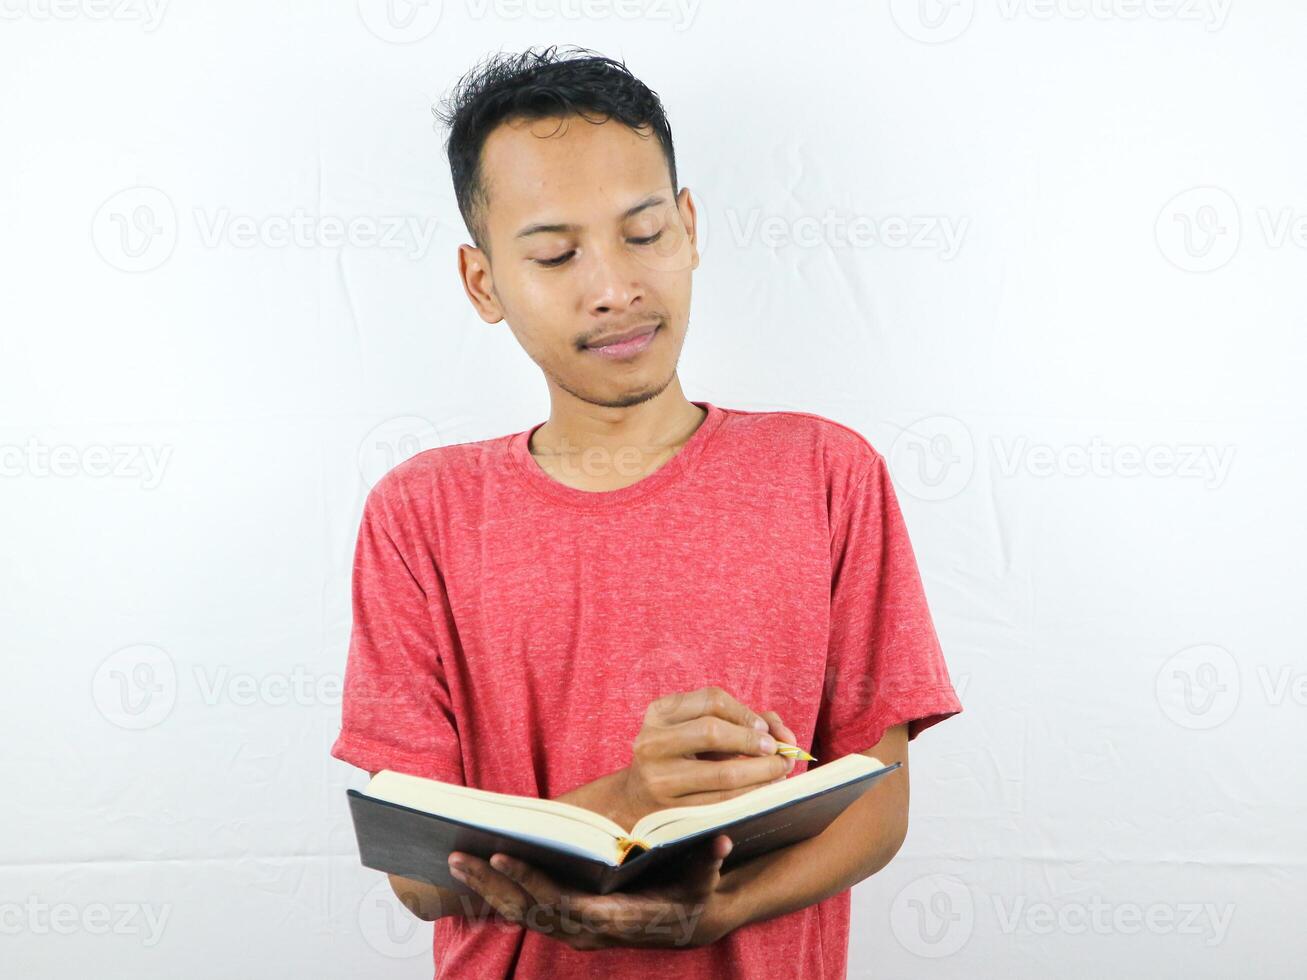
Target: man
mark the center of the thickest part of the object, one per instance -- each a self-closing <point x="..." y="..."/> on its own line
<point x="627" y="605"/>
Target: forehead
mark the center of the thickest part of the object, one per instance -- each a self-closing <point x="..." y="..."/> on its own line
<point x="568" y="169"/>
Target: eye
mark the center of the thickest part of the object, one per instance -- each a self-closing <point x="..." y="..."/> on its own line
<point x="649" y="240"/>
<point x="559" y="260"/>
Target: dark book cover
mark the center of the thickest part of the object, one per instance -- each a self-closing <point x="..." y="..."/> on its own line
<point x="415" y="844"/>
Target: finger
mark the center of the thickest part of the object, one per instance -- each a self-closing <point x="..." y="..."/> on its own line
<point x="706" y="872"/>
<point x="708" y="733"/>
<point x="676" y="708"/>
<point x="499" y="891"/>
<point x="782" y="733"/>
<point x="542" y="889"/>
<point x="778" y="729"/>
<point x="711" y="782"/>
<point x="581" y="923"/>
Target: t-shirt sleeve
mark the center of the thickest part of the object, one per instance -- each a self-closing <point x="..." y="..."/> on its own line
<point x="884" y="665"/>
<point x="396" y="711"/>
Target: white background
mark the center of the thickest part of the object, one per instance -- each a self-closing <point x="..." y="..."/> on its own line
<point x="1090" y="396"/>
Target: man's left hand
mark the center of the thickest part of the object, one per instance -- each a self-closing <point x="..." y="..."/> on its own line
<point x="694" y="911"/>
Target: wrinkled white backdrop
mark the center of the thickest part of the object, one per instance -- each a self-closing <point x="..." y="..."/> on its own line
<point x="1047" y="255"/>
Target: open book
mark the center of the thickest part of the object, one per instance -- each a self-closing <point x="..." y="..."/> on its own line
<point x="407" y="826"/>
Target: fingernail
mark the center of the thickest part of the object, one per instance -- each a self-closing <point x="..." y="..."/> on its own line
<point x="767" y="744"/>
<point x="759" y="724"/>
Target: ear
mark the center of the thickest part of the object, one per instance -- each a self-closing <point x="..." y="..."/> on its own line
<point x="689" y="218"/>
<point x="479" y="282"/>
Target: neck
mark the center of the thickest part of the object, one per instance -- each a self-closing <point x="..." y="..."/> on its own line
<point x="649" y="428"/>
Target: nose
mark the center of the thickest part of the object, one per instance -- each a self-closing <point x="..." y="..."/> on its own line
<point x="615" y="284"/>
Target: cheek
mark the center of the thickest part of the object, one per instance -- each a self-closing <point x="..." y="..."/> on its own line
<point x="533" y="308"/>
<point x="539" y="298"/>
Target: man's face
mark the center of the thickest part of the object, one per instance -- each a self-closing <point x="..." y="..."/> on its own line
<point x="588" y="242"/>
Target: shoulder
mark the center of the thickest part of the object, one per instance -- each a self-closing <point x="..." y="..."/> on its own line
<point x="807" y="428"/>
<point x="842" y="454"/>
<point x="443" y="474"/>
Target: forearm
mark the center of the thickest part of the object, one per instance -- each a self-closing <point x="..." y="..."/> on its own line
<point x="430" y="902"/>
<point x="606" y="795"/>
<point x="860" y="842"/>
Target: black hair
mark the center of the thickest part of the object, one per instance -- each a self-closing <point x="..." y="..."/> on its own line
<point x="537" y="85"/>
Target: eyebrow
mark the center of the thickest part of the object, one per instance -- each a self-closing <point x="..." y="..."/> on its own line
<point x="536" y="229"/>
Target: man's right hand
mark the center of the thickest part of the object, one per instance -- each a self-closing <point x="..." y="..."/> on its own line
<point x="702" y="747"/>
<point x="694" y="747"/>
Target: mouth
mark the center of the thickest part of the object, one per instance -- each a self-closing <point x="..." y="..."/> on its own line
<point x="625" y="345"/>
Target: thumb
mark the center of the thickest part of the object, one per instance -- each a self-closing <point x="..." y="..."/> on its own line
<point x="706" y="871"/>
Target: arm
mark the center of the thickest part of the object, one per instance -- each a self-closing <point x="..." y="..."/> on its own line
<point x="861" y="841"/>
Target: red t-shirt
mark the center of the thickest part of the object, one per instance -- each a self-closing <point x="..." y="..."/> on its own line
<point x="510" y="631"/>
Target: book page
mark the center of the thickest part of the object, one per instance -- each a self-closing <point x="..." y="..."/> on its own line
<point x="666" y="826"/>
<point x="576" y="828"/>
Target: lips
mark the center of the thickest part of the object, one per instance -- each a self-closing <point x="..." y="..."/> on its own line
<point x="619" y="338"/>
<point x="624" y="346"/>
